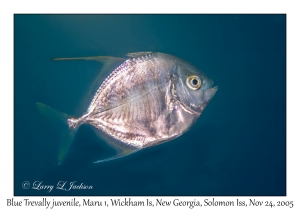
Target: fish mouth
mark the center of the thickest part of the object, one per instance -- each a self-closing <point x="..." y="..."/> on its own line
<point x="209" y="93"/>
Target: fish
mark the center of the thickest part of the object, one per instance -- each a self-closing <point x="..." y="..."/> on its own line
<point x="144" y="100"/>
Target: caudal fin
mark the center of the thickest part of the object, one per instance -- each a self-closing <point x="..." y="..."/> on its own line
<point x="65" y="123"/>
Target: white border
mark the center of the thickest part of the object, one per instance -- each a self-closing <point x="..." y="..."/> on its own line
<point x="8" y="8"/>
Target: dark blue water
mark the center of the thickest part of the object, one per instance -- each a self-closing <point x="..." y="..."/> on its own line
<point x="238" y="145"/>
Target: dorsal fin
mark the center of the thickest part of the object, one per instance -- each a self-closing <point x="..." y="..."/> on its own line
<point x="109" y="65"/>
<point x="106" y="60"/>
<point x="137" y="54"/>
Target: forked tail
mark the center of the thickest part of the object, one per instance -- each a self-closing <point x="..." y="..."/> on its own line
<point x="65" y="123"/>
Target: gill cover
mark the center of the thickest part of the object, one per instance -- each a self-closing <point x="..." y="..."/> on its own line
<point x="194" y="88"/>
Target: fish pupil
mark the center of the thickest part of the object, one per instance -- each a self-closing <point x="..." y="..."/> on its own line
<point x="195" y="81"/>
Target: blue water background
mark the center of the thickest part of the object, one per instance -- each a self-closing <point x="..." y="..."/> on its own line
<point x="237" y="146"/>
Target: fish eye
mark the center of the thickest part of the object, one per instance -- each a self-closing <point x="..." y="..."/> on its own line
<point x="193" y="82"/>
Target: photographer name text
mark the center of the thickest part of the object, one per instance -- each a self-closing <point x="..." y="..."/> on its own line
<point x="61" y="185"/>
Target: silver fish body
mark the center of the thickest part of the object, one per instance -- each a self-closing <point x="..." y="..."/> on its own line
<point x="149" y="99"/>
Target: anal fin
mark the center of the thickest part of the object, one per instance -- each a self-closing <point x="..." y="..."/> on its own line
<point x="118" y="155"/>
<point x="121" y="149"/>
